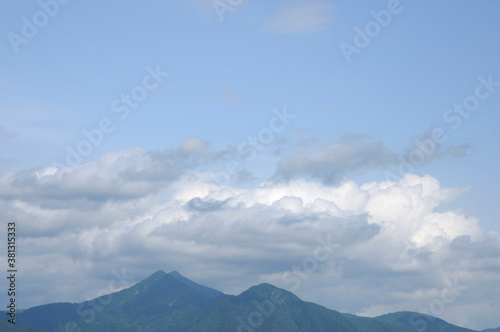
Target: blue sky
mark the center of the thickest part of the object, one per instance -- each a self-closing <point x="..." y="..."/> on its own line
<point x="352" y="120"/>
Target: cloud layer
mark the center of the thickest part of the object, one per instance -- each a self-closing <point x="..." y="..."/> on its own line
<point x="393" y="245"/>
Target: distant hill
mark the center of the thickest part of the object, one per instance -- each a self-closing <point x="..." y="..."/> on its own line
<point x="171" y="302"/>
<point x="421" y="322"/>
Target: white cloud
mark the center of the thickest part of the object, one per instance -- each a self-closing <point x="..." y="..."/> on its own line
<point x="353" y="154"/>
<point x="303" y="17"/>
<point x="195" y="146"/>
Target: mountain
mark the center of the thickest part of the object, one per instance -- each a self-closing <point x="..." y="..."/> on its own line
<point x="171" y="302"/>
<point x="8" y="327"/>
<point x="162" y="300"/>
<point x="267" y="308"/>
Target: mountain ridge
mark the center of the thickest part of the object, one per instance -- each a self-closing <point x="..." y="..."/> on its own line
<point x="171" y="302"/>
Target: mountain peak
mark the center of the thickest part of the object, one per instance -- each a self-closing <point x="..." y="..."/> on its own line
<point x="205" y="291"/>
<point x="174" y="274"/>
<point x="157" y="275"/>
<point x="264" y="289"/>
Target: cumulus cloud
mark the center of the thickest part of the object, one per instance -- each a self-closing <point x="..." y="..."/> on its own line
<point x="302" y="17"/>
<point x="393" y="245"/>
<point x="123" y="175"/>
<point x="118" y="186"/>
<point x="352" y="154"/>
